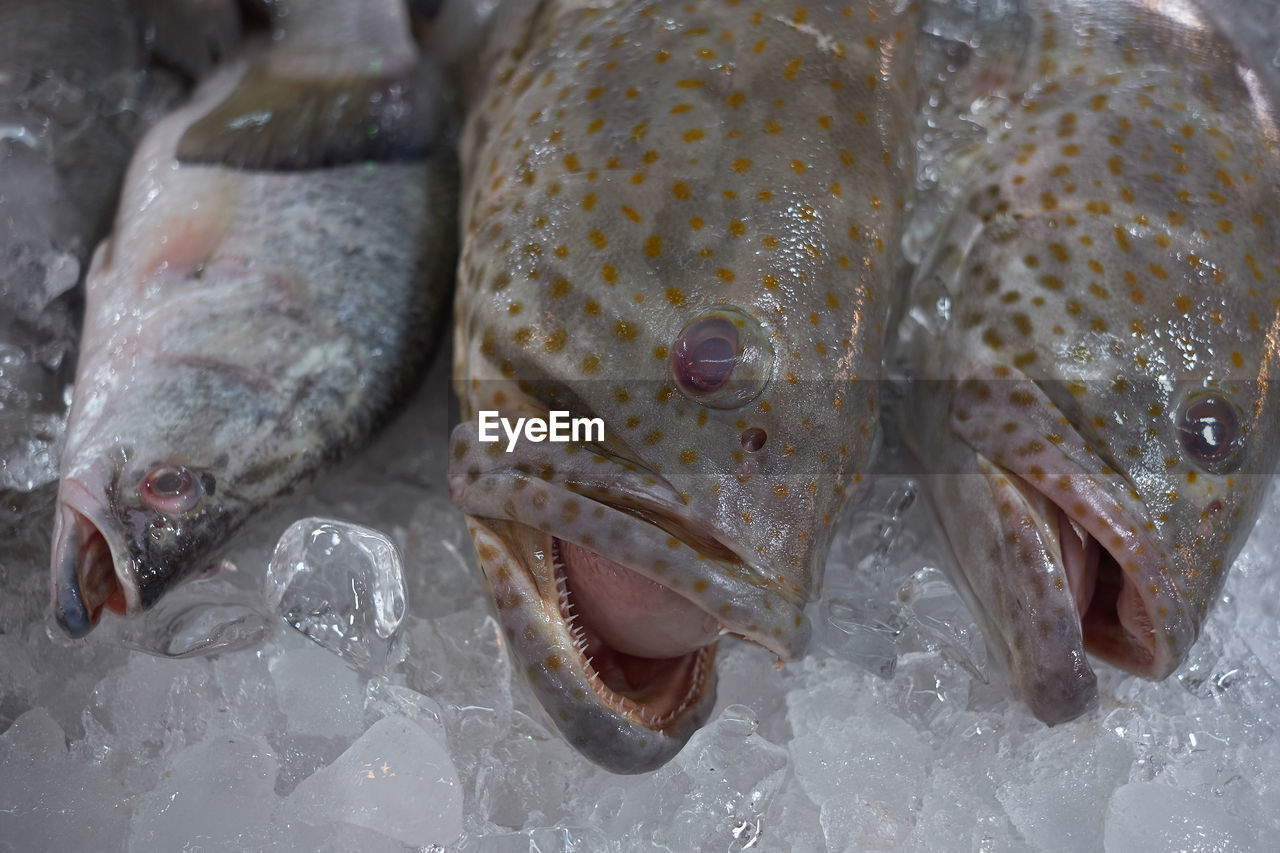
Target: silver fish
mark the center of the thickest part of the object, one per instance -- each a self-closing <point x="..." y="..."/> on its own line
<point x="245" y="325"/>
<point x="679" y="218"/>
<point x="1093" y="341"/>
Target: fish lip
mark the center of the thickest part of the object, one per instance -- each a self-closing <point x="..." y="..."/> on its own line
<point x="80" y="517"/>
<point x="1112" y="520"/>
<point x="742" y="581"/>
<point x="608" y="728"/>
<point x="1057" y="687"/>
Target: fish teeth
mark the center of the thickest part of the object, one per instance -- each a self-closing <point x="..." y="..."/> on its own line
<point x="1079" y="531"/>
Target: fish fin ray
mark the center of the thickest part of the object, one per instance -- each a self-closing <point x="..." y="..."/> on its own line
<point x="278" y="123"/>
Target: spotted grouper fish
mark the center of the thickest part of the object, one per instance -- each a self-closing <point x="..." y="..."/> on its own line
<point x="681" y="219"/>
<point x="1093" y="344"/>
<point x="282" y="246"/>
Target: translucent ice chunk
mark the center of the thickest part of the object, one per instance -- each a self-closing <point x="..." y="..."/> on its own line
<point x="1144" y="817"/>
<point x="546" y="840"/>
<point x="384" y="699"/>
<point x="213" y="796"/>
<point x="715" y="793"/>
<point x="204" y="618"/>
<point x="343" y="586"/>
<point x="319" y="696"/>
<point x="866" y="631"/>
<point x="865" y="775"/>
<point x="396" y="779"/>
<point x="940" y="618"/>
<point x="49" y="800"/>
<point x="1061" y="778"/>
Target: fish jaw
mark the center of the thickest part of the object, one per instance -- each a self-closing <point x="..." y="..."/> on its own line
<point x="585" y="695"/>
<point x="1013" y="580"/>
<point x="91" y="568"/>
<point x="611" y="598"/>
<point x="1130" y="610"/>
<point x="634" y="519"/>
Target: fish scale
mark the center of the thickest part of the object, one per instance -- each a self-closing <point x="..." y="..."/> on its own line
<point x="633" y="174"/>
<point x="1110" y="264"/>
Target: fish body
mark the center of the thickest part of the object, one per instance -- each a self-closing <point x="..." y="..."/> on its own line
<point x="679" y="218"/>
<point x="1092" y="344"/>
<point x="245" y="325"/>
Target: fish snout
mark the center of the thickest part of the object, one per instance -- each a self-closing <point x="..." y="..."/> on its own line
<point x="1072" y="543"/>
<point x="85" y="574"/>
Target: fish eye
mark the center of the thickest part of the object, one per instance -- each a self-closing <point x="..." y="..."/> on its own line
<point x="1209" y="430"/>
<point x="705" y="354"/>
<point x="722" y="359"/>
<point x="171" y="489"/>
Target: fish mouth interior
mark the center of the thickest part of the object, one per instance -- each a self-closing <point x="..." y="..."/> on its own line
<point x="641" y="675"/>
<point x="1115" y="616"/>
<point x="89" y="584"/>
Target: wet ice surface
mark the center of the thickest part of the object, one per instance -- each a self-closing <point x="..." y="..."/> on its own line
<point x="896" y="733"/>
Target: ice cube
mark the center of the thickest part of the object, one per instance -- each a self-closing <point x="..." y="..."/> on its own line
<point x="1056" y="791"/>
<point x="864" y="630"/>
<point x="713" y="795"/>
<point x="396" y="778"/>
<point x="384" y="699"/>
<point x="30" y="444"/>
<point x="319" y="696"/>
<point x="545" y="840"/>
<point x="866" y="775"/>
<point x="1148" y="817"/>
<point x="153" y="706"/>
<point x="942" y="621"/>
<point x="216" y="795"/>
<point x="49" y="800"/>
<point x="202" y="618"/>
<point x="342" y="585"/>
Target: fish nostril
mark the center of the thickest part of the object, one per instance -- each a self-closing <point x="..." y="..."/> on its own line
<point x="753" y="439"/>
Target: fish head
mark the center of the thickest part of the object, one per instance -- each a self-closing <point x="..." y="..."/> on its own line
<point x="129" y="527"/>
<point x="179" y="431"/>
<point x="1113" y="400"/>
<point x="704" y="505"/>
<point x="649" y="250"/>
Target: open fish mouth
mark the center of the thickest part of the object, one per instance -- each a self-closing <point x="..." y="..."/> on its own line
<point x="87" y="576"/>
<point x="611" y="599"/>
<point x="1107" y="568"/>
<point x="653" y="685"/>
<point x="1113" y="590"/>
<point x="629" y="713"/>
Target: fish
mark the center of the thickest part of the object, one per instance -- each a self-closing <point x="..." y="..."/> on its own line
<point x="680" y="219"/>
<point x="1089" y="347"/>
<point x="75" y="98"/>
<point x="272" y="287"/>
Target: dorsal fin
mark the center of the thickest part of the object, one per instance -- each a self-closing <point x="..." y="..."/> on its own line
<point x="275" y="122"/>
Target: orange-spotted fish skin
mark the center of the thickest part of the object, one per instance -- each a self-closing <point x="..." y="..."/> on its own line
<point x="680" y="218"/>
<point x="264" y="299"/>
<point x="1092" y="345"/>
